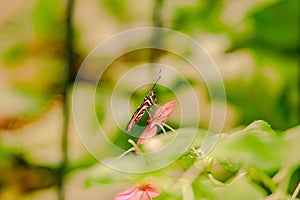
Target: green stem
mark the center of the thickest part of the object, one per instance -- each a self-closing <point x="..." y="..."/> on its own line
<point x="69" y="79"/>
<point x="156" y="39"/>
<point x="169" y="127"/>
<point x="126" y="152"/>
<point x="162" y="128"/>
<point x="134" y="144"/>
<point x="296" y="192"/>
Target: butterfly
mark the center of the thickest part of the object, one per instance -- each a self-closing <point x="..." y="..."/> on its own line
<point x="149" y="101"/>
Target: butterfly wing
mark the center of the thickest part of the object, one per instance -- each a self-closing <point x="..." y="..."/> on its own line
<point x="137" y="116"/>
<point x="139" y="113"/>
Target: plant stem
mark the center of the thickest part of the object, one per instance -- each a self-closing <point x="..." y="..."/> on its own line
<point x="169" y="127"/>
<point x="296" y="192"/>
<point x="156" y="39"/>
<point x="69" y="79"/>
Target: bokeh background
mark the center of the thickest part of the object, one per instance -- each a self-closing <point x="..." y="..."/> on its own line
<point x="255" y="45"/>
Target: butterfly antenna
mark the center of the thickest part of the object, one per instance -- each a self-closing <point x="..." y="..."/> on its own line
<point x="156" y="80"/>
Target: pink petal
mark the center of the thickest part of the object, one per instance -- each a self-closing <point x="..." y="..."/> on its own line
<point x="168" y="105"/>
<point x="140" y="192"/>
<point x="147" y="133"/>
<point x="141" y="196"/>
<point x="145" y="196"/>
<point x="153" y="192"/>
<point x="165" y="115"/>
<point x="127" y="194"/>
<point x="163" y="112"/>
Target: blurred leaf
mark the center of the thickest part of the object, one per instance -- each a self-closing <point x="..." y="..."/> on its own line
<point x="15" y="102"/>
<point x="203" y="188"/>
<point x="221" y="173"/>
<point x="239" y="188"/>
<point x="274" y="95"/>
<point x="14" y="55"/>
<point x="225" y="170"/>
<point x="18" y="171"/>
<point x="47" y="17"/>
<point x="262" y="179"/>
<point x="83" y="161"/>
<point x="187" y="192"/>
<point x="157" y="156"/>
<point x="282" y="21"/>
<point x="3" y="154"/>
<point x="231" y="166"/>
<point x="105" y="175"/>
<point x="188" y="159"/>
<point x="292" y="137"/>
<point x="204" y="16"/>
<point x="256" y="146"/>
<point x="274" y="29"/>
<point x="274" y="39"/>
<point x="116" y="8"/>
<point x="294" y="181"/>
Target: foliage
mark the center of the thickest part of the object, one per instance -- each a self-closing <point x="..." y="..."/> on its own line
<point x="270" y="32"/>
<point x="255" y="163"/>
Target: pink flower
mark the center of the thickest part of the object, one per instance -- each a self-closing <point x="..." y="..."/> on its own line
<point x="139" y="192"/>
<point x="162" y="113"/>
<point x="159" y="116"/>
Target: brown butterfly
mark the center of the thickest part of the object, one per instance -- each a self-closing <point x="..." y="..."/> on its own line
<point x="149" y="101"/>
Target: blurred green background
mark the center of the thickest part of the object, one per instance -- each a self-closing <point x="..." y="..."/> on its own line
<point x="255" y="45"/>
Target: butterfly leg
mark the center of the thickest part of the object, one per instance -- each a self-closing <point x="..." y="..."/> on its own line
<point x="150" y="115"/>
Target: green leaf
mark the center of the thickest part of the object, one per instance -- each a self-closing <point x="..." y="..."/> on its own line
<point x="3" y="154"/>
<point x="47" y="18"/>
<point x="13" y="55"/>
<point x="205" y="15"/>
<point x="221" y="173"/>
<point x="239" y="188"/>
<point x="203" y="188"/>
<point x="292" y="137"/>
<point x="105" y="175"/>
<point x="282" y="20"/>
<point x="20" y="102"/>
<point x="188" y="160"/>
<point x="116" y="8"/>
<point x="256" y="146"/>
<point x="262" y="179"/>
<point x="231" y="166"/>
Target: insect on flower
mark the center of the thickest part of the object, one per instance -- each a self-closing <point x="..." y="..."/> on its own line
<point x="157" y="120"/>
<point x="149" y="101"/>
